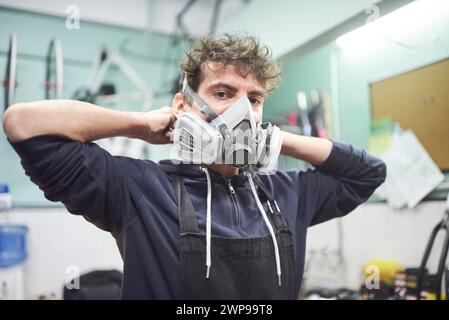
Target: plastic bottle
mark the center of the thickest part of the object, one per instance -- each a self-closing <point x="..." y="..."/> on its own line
<point x="13" y="251"/>
<point x="5" y="198"/>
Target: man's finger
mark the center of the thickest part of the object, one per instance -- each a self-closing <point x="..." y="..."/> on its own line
<point x="169" y="135"/>
<point x="172" y="120"/>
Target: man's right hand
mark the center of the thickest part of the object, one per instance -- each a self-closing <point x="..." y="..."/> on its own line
<point x="159" y="128"/>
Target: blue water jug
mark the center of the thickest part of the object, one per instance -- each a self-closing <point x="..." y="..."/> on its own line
<point x="13" y="248"/>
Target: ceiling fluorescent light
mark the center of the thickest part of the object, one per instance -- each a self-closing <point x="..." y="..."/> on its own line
<point x="404" y="21"/>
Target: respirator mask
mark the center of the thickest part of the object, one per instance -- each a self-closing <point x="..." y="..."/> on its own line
<point x="231" y="138"/>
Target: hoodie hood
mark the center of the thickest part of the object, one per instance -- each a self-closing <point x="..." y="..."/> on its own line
<point x="193" y="171"/>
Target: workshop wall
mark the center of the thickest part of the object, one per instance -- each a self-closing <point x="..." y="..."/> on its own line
<point x="286" y="24"/>
<point x="373" y="61"/>
<point x="59" y="245"/>
<point x="34" y="33"/>
<point x="308" y="72"/>
<point x="373" y="231"/>
<point x="354" y="68"/>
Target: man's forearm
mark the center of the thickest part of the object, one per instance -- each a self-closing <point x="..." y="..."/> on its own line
<point x="80" y="121"/>
<point x="310" y="149"/>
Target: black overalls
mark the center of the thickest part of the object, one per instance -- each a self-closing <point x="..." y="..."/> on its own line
<point x="242" y="268"/>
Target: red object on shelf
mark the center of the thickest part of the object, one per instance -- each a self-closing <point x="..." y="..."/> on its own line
<point x="292" y="118"/>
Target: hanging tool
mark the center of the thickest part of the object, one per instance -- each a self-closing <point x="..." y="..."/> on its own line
<point x="99" y="93"/>
<point x="303" y="114"/>
<point x="54" y="70"/>
<point x="316" y="115"/>
<point x="10" y="78"/>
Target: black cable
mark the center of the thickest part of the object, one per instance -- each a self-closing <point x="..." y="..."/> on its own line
<point x="436" y="285"/>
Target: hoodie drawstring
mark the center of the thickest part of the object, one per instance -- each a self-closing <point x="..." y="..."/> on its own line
<point x="208" y="222"/>
<point x="268" y="224"/>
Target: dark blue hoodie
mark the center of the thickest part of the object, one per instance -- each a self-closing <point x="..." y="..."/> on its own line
<point x="134" y="200"/>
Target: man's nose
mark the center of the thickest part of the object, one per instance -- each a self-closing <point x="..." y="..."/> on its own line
<point x="231" y="102"/>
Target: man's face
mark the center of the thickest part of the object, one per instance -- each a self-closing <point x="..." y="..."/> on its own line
<point x="221" y="86"/>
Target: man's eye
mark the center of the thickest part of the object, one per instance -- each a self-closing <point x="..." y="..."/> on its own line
<point x="255" y="101"/>
<point x="221" y="94"/>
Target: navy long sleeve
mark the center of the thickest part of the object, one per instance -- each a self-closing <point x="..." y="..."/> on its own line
<point x="346" y="179"/>
<point x="134" y="200"/>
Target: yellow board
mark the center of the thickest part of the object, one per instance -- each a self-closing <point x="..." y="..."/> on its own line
<point x="418" y="100"/>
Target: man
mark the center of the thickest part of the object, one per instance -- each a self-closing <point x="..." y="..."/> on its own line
<point x="188" y="230"/>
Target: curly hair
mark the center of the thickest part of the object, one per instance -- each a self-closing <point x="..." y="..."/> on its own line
<point x="244" y="52"/>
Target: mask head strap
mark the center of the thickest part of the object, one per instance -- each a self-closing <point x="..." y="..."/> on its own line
<point x="204" y="107"/>
<point x="207" y="111"/>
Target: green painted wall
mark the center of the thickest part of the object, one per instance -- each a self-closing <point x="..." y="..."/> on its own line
<point x="346" y="75"/>
<point x="34" y="32"/>
<point x="285" y="24"/>
<point x="358" y="67"/>
<point x="353" y="69"/>
<point x="343" y="74"/>
<point x="308" y="72"/>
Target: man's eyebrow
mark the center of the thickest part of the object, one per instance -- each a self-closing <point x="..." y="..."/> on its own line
<point x="257" y="93"/>
<point x="223" y="85"/>
<point x="234" y="89"/>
